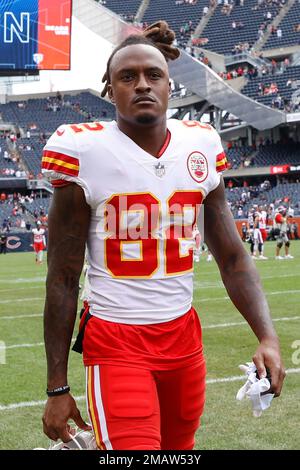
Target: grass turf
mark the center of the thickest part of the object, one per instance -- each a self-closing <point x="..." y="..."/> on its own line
<point x="226" y="424"/>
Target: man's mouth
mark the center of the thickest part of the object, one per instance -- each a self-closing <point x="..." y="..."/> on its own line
<point x="144" y="99"/>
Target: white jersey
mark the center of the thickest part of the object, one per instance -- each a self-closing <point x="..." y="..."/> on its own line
<point x="250" y="220"/>
<point x="143" y="210"/>
<point x="38" y="235"/>
<point x="262" y="220"/>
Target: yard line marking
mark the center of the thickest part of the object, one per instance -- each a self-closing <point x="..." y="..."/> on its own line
<point x="22" y="280"/>
<point x="219" y="284"/>
<point x="25" y="345"/>
<point x="277" y="292"/>
<point x="26" y="299"/>
<point x="14" y="317"/>
<point x="225" y="297"/>
<point x="25" y="404"/>
<point x="243" y="377"/>
<point x="204" y="327"/>
<point x="225" y="325"/>
<point x="279" y="275"/>
<point x="13" y="289"/>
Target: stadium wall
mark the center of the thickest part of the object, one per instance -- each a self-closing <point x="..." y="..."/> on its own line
<point x="18" y="242"/>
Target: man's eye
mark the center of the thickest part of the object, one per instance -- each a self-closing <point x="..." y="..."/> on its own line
<point x="155" y="75"/>
<point x="126" y="77"/>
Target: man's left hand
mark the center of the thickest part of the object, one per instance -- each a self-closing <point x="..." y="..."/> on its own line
<point x="267" y="356"/>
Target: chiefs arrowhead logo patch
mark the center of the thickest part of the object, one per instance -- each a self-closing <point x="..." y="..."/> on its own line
<point x="197" y="166"/>
<point x="60" y="133"/>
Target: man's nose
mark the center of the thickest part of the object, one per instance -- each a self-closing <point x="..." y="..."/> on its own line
<point x="142" y="85"/>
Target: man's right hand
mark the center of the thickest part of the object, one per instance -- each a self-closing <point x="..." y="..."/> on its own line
<point x="58" y="411"/>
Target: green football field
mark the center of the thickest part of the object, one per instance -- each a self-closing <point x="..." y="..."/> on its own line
<point x="228" y="341"/>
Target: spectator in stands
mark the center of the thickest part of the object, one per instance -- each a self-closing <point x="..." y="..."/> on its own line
<point x="15" y="211"/>
<point x="290" y="82"/>
<point x="44" y="221"/>
<point x="3" y="243"/>
<point x="240" y="213"/>
<point x="277" y="102"/>
<point x="6" y="225"/>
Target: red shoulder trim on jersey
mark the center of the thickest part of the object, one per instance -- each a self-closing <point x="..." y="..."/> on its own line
<point x="278" y="218"/>
<point x="165" y="144"/>
<point x="221" y="162"/>
<point x="60" y="163"/>
<point x="60" y="183"/>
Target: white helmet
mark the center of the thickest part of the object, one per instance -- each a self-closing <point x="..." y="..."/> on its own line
<point x="82" y="440"/>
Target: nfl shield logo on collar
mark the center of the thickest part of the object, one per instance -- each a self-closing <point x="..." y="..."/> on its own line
<point x="160" y="170"/>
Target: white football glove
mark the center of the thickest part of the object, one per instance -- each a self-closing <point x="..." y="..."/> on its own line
<point x="253" y="389"/>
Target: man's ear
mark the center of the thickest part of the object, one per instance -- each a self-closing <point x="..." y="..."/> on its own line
<point x="110" y="93"/>
<point x="170" y="90"/>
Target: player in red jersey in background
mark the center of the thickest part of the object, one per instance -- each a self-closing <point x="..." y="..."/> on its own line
<point x="132" y="191"/>
<point x="39" y="242"/>
<point x="280" y="224"/>
<point x="259" y="232"/>
<point x="262" y="222"/>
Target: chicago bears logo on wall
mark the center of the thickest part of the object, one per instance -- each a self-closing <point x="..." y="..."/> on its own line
<point x="197" y="166"/>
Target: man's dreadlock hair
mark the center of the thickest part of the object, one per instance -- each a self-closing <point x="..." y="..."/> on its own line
<point x="158" y="35"/>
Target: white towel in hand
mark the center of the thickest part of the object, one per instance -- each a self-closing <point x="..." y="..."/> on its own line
<point x="253" y="389"/>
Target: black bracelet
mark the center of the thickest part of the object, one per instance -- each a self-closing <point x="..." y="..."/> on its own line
<point x="58" y="391"/>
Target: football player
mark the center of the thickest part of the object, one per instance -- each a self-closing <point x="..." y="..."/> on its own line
<point x="259" y="232"/>
<point x="250" y="231"/>
<point x="132" y="191"/>
<point x="280" y="225"/>
<point x="39" y="242"/>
